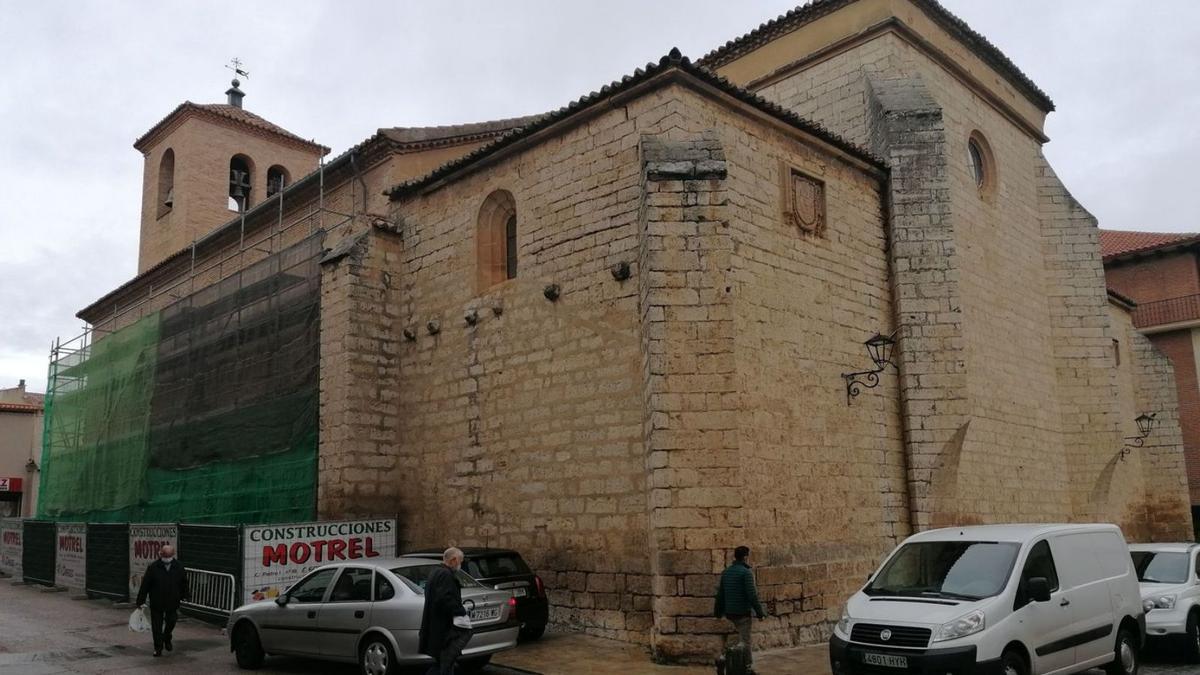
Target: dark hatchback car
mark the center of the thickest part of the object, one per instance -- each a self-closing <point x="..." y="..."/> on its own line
<point x="504" y="569"/>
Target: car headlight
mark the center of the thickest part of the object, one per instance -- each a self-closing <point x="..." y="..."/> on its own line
<point x="1159" y="602"/>
<point x="965" y="625"/>
<point x="843" y="624"/>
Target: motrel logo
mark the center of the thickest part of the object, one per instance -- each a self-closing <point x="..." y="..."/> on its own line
<point x="885" y="635"/>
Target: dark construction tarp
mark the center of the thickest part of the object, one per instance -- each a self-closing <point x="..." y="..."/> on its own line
<point x="205" y="411"/>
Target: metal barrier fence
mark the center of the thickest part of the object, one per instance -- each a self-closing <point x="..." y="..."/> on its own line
<point x="213" y="593"/>
<point x="38" y="552"/>
<point x="107" y="566"/>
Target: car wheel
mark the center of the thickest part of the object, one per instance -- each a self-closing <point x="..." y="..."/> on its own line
<point x="1013" y="663"/>
<point x="1125" y="657"/>
<point x="476" y="664"/>
<point x="532" y="631"/>
<point x="1193" y="636"/>
<point x="376" y="657"/>
<point x="247" y="648"/>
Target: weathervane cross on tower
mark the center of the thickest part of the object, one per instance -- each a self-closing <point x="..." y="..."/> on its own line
<point x="235" y="64"/>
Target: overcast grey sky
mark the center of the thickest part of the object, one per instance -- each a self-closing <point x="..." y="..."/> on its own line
<point x="81" y="80"/>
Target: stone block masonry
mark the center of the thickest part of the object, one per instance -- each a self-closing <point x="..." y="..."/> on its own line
<point x="696" y="489"/>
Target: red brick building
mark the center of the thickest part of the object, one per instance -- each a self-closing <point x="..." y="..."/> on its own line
<point x="1161" y="273"/>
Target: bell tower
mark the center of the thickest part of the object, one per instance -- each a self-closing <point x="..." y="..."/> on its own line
<point x="207" y="163"/>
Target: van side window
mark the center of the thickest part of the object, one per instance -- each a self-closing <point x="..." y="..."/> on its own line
<point x="1198" y="566"/>
<point x="1040" y="563"/>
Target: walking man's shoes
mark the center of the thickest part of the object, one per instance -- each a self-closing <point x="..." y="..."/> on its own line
<point x="168" y="645"/>
<point x="158" y="652"/>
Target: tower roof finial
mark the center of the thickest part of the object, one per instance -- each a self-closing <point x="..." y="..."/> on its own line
<point x="236" y="95"/>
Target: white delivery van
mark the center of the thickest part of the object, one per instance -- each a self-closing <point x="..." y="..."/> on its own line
<point x="996" y="599"/>
<point x="1170" y="578"/>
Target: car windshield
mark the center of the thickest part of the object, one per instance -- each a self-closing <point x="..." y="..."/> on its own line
<point x="416" y="576"/>
<point x="960" y="570"/>
<point x="506" y="565"/>
<point x="1156" y="567"/>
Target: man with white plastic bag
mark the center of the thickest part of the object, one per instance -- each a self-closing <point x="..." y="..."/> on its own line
<point x="165" y="585"/>
<point x="445" y="624"/>
<point x="138" y="621"/>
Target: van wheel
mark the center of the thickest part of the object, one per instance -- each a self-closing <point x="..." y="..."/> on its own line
<point x="1193" y="636"/>
<point x="1013" y="663"/>
<point x="1125" y="656"/>
<point x="376" y="657"/>
<point x="247" y="648"/>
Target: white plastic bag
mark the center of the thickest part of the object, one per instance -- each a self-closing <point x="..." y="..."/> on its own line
<point x="138" y="621"/>
<point x="463" y="622"/>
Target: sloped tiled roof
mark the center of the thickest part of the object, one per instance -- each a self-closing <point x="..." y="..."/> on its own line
<point x="816" y="9"/>
<point x="1118" y="243"/>
<point x="454" y="132"/>
<point x="20" y="408"/>
<point x="229" y="113"/>
<point x="673" y="60"/>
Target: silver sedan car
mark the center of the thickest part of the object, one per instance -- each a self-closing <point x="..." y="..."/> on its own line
<point x="367" y="612"/>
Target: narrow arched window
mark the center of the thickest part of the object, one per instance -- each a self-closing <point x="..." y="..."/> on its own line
<point x="277" y="179"/>
<point x="510" y="247"/>
<point x="981" y="164"/>
<point x="166" y="183"/>
<point x="496" y="240"/>
<point x="241" y="177"/>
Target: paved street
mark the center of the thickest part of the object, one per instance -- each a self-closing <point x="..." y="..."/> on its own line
<point x="51" y="633"/>
<point x="45" y="633"/>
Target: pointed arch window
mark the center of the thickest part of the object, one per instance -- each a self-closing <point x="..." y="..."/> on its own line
<point x="166" y="183"/>
<point x="496" y="240"/>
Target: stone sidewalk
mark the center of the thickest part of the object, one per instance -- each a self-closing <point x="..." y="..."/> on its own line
<point x="575" y="654"/>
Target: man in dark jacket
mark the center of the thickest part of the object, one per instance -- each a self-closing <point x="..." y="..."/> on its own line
<point x="737" y="597"/>
<point x="439" y="637"/>
<point x="165" y="584"/>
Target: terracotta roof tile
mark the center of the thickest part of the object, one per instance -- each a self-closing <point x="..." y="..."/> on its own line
<point x="1117" y="243"/>
<point x="20" y="408"/>
<point x="233" y="114"/>
<point x="423" y="135"/>
<point x="816" y="9"/>
<point x="673" y="60"/>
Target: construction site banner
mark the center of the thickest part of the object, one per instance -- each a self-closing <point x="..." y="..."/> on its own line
<point x="145" y="541"/>
<point x="10" y="546"/>
<point x="277" y="556"/>
<point x="70" y="567"/>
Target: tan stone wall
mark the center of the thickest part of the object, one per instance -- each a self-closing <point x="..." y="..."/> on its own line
<point x="202" y="153"/>
<point x="1024" y="278"/>
<point x="751" y="437"/>
<point x="732" y="344"/>
<point x="525" y="429"/>
<point x="1166" y="502"/>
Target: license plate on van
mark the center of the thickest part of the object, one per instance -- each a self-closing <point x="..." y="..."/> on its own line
<point x="886" y="660"/>
<point x="485" y="614"/>
<point x="519" y="592"/>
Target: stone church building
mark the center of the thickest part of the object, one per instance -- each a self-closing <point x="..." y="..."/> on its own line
<point x="615" y="336"/>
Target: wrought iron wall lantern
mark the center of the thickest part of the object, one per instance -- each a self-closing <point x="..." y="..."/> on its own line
<point x="1145" y="424"/>
<point x="879" y="348"/>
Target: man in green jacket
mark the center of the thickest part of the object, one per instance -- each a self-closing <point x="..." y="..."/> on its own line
<point x="737" y="597"/>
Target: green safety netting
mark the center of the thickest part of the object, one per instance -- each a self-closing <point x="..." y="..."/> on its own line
<point x="204" y="411"/>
